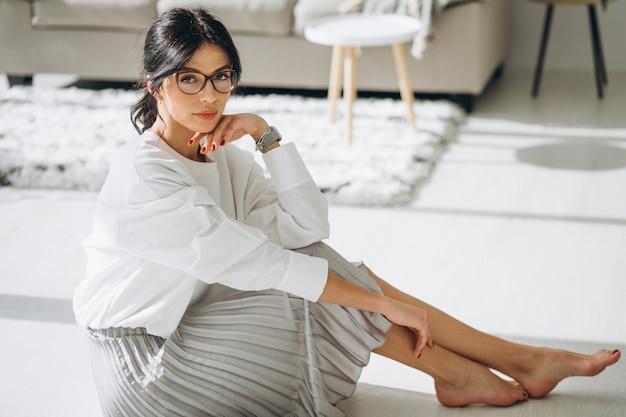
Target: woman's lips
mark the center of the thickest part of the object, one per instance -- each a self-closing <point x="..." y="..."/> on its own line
<point x="207" y="115"/>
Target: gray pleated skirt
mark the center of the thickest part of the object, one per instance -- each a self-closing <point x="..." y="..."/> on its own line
<point x="242" y="353"/>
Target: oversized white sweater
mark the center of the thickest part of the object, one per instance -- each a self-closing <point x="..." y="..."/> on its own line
<point x="166" y="227"/>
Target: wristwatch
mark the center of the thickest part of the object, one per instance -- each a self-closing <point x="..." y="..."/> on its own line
<point x="270" y="136"/>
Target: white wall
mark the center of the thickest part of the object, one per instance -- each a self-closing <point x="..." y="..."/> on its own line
<point x="569" y="45"/>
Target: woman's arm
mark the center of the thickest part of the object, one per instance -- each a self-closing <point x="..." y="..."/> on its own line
<point x="337" y="290"/>
<point x="342" y="292"/>
<point x="288" y="207"/>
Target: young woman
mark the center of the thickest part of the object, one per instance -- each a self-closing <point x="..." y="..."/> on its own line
<point x="208" y="292"/>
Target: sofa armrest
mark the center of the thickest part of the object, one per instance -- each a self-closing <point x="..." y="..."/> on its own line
<point x="307" y="10"/>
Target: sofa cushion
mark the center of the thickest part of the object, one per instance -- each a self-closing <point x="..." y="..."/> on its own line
<point x="265" y="17"/>
<point x="133" y="15"/>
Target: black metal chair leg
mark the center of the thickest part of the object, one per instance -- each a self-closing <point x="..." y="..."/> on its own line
<point x="598" y="40"/>
<point x="542" y="49"/>
<point x="598" y="64"/>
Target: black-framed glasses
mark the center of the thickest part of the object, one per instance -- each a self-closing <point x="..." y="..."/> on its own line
<point x="192" y="82"/>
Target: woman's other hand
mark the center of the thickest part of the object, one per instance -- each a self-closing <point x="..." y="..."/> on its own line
<point x="339" y="291"/>
<point x="414" y="319"/>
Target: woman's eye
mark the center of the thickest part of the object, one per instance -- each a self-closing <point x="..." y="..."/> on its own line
<point x="189" y="78"/>
<point x="221" y="76"/>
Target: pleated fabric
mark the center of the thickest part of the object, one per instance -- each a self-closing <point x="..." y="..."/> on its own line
<point x="242" y="353"/>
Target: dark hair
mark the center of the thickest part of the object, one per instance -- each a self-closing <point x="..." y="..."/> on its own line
<point x="170" y="43"/>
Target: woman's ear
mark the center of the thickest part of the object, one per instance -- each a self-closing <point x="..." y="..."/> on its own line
<point x="155" y="93"/>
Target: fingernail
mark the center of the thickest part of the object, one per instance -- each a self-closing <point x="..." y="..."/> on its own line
<point x="203" y="149"/>
<point x="213" y="147"/>
<point x="223" y="142"/>
<point x="190" y="142"/>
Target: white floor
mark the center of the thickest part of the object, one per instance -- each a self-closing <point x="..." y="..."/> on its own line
<point x="527" y="251"/>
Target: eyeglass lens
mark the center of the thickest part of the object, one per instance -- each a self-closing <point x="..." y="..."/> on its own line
<point x="193" y="82"/>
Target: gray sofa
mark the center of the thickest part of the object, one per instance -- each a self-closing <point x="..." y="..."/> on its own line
<point x="101" y="40"/>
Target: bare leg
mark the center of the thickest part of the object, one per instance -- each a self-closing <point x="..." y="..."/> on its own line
<point x="538" y="370"/>
<point x="458" y="380"/>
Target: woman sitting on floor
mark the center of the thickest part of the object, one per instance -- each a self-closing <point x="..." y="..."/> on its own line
<point x="208" y="290"/>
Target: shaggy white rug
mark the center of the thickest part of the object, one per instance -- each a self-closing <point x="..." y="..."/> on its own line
<point x="65" y="138"/>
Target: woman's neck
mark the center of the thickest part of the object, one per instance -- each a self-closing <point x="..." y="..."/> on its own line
<point x="178" y="143"/>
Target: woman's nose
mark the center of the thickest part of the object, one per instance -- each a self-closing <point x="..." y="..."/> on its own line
<point x="208" y="94"/>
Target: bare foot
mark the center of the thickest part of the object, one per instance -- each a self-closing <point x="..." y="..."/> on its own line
<point x="480" y="387"/>
<point x="551" y="366"/>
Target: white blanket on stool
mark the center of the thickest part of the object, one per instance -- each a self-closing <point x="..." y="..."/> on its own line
<point x="424" y="10"/>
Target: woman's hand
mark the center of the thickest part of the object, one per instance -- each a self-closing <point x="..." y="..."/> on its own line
<point x="414" y="319"/>
<point x="339" y="291"/>
<point x="230" y="128"/>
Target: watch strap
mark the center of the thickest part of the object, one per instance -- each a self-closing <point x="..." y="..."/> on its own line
<point x="270" y="136"/>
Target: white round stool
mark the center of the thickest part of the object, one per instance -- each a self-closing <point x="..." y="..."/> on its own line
<point x="346" y="33"/>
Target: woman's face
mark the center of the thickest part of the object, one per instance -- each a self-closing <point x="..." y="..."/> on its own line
<point x="185" y="114"/>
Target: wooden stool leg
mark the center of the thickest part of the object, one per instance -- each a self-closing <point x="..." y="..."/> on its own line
<point x="349" y="88"/>
<point x="403" y="80"/>
<point x="542" y="49"/>
<point x="334" y="85"/>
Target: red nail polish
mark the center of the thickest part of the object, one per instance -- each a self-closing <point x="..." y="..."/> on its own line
<point x="223" y="142"/>
<point x="203" y="149"/>
<point x="190" y="142"/>
<point x="213" y="147"/>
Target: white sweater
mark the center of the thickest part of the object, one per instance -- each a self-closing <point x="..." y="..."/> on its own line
<point x="165" y="227"/>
